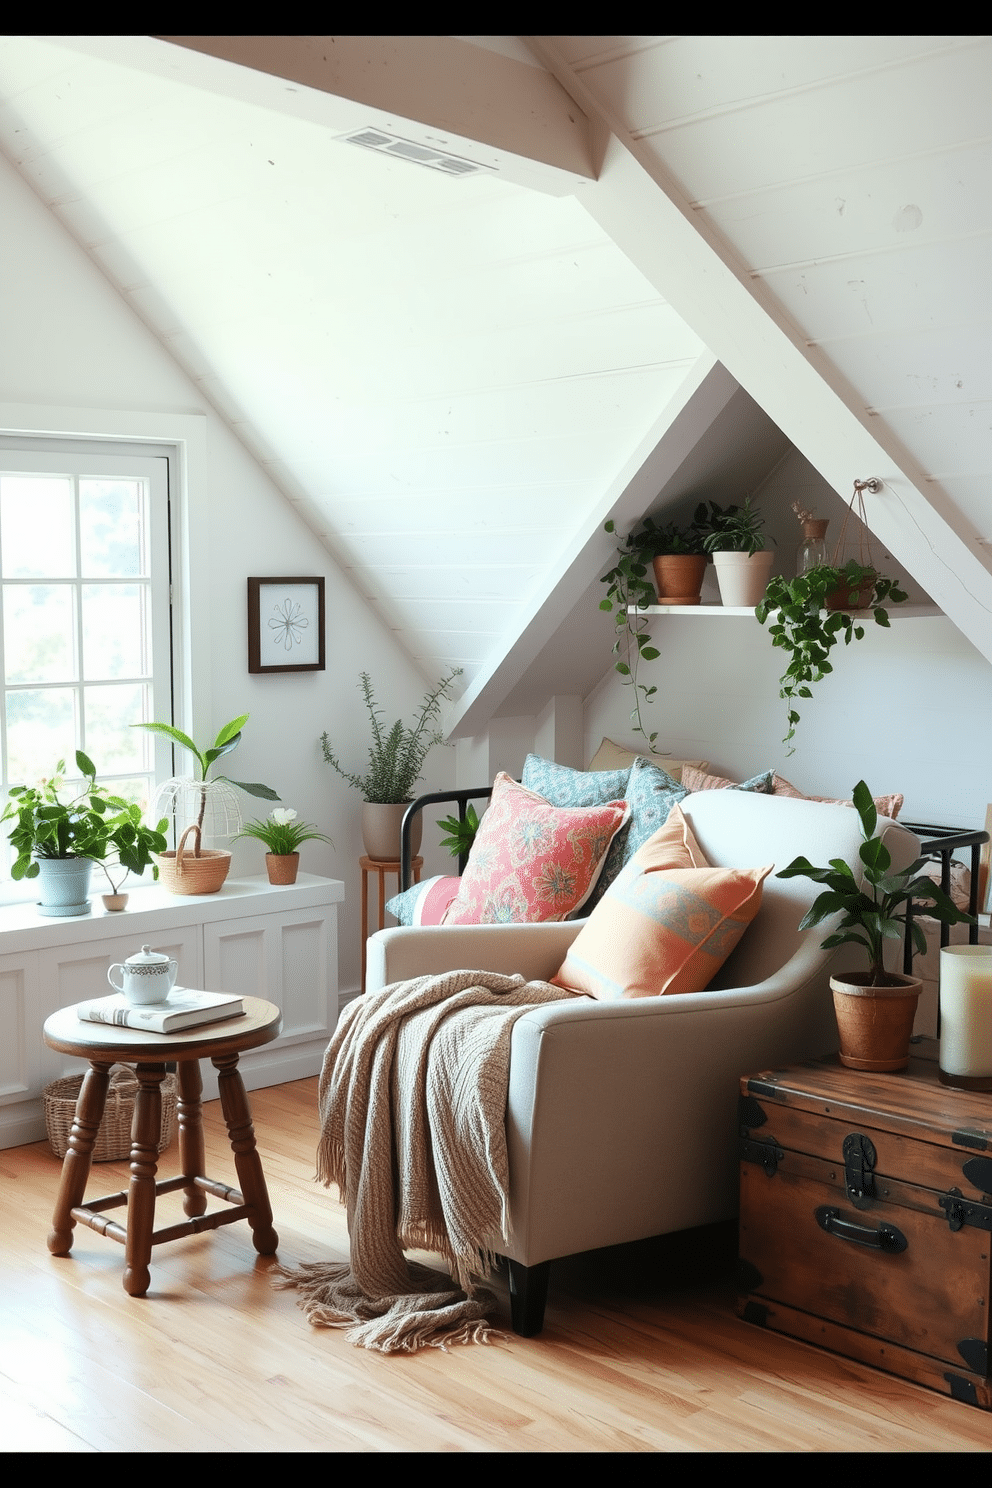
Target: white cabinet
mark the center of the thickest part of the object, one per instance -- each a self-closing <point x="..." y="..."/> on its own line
<point x="276" y="943"/>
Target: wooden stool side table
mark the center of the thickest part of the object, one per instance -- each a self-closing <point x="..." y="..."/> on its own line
<point x="381" y="866"/>
<point x="105" y="1046"/>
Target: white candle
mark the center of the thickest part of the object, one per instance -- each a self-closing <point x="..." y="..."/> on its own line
<point x="966" y="1015"/>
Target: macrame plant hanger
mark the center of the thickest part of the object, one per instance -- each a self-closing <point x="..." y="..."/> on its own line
<point x="865" y="556"/>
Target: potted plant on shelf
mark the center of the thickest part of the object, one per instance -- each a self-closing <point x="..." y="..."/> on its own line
<point x="186" y="799"/>
<point x="58" y="841"/>
<point x="805" y="623"/>
<point x="676" y="555"/>
<point x="282" y="835"/>
<point x="875" y="1008"/>
<point x="734" y="535"/>
<point x="396" y="759"/>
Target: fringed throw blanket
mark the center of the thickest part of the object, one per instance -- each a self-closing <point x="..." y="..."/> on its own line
<point x="413" y="1106"/>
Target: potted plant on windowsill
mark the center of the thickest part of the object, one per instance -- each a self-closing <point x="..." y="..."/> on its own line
<point x="875" y="1008"/>
<point x="201" y="870"/>
<point x="58" y="841"/>
<point x="676" y="556"/>
<point x="282" y="835"/>
<point x="396" y="759"/>
<point x="805" y="625"/>
<point x="736" y="540"/>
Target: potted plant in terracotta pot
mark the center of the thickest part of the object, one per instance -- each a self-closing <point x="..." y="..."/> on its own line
<point x="875" y="1008"/>
<point x="282" y="835"/>
<point x="675" y="554"/>
<point x="736" y="540"/>
<point x="396" y="759"/>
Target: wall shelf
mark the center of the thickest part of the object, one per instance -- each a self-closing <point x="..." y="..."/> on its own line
<point x="900" y="612"/>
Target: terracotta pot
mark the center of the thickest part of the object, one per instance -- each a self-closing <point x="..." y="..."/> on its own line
<point x="282" y="868"/>
<point x="114" y="901"/>
<point x="850" y="597"/>
<point x="743" y="577"/>
<point x="381" y="825"/>
<point x="874" y="1023"/>
<point x="679" y="577"/>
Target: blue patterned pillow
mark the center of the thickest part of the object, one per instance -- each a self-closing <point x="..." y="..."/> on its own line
<point x="561" y="786"/>
<point x="651" y="794"/>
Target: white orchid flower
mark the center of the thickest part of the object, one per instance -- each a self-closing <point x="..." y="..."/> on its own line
<point x="282" y="816"/>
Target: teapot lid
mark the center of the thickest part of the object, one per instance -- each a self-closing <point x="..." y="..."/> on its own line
<point x="147" y="957"/>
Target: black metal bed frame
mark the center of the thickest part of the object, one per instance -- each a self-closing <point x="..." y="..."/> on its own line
<point x="935" y="842"/>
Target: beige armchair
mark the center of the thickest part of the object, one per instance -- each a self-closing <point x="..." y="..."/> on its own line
<point x="621" y="1116"/>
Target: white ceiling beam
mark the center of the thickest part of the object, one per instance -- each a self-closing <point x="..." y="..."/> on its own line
<point x="442" y="92"/>
<point x="684" y="420"/>
<point x="649" y="217"/>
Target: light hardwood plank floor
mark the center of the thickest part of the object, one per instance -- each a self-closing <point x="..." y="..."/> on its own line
<point x="641" y="1352"/>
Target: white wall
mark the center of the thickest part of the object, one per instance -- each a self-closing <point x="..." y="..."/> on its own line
<point x="69" y="341"/>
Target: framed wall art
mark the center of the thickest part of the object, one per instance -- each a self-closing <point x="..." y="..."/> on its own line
<point x="286" y="625"/>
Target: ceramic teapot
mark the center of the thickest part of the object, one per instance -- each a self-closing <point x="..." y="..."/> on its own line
<point x="147" y="976"/>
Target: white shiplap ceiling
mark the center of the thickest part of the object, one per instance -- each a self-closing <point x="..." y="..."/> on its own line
<point x="451" y="379"/>
<point x="443" y="375"/>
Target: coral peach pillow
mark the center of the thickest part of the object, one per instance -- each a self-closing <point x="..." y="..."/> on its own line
<point x="531" y="861"/>
<point x="889" y="806"/>
<point x="661" y="930"/>
<point x="698" y="780"/>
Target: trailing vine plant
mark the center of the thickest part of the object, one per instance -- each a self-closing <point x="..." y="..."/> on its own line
<point x="630" y="592"/>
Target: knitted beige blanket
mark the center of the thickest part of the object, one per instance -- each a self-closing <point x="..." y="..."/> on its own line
<point x="413" y="1106"/>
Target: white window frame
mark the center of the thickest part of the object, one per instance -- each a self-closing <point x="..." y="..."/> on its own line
<point x="182" y="439"/>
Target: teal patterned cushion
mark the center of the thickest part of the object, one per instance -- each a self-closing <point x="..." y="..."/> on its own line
<point x="651" y="794"/>
<point x="561" y="786"/>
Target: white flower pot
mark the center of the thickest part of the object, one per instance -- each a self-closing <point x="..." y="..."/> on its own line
<point x="742" y="577"/>
<point x="64" y="886"/>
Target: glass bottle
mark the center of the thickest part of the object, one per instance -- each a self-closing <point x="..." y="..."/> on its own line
<point x="812" y="551"/>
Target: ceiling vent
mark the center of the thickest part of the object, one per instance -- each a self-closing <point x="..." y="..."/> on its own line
<point x="391" y="144"/>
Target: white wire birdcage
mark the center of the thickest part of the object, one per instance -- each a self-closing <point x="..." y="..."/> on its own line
<point x="181" y="799"/>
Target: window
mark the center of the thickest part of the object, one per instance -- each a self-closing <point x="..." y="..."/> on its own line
<point x="85" y="648"/>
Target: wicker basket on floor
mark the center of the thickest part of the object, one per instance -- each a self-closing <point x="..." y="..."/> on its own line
<point x="113" y="1140"/>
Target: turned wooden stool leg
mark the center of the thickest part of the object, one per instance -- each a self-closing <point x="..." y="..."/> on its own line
<point x="76" y="1165"/>
<point x="234" y="1104"/>
<point x="191" y="1154"/>
<point x="146" y="1130"/>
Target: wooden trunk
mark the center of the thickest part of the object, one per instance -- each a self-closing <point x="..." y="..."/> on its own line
<point x="866" y="1210"/>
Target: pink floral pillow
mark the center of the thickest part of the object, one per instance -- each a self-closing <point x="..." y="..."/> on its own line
<point x="531" y="861"/>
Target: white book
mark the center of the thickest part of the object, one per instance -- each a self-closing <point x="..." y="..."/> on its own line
<point x="183" y="1008"/>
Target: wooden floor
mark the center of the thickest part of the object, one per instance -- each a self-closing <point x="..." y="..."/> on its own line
<point x="641" y="1351"/>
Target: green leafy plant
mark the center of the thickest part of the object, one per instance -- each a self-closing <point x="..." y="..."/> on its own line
<point x="801" y="626"/>
<point x="461" y="831"/>
<point x="227" y="740"/>
<point x="92" y="824"/>
<point x="281" y="832"/>
<point x="396" y="757"/>
<point x="630" y="591"/>
<point x="878" y="910"/>
<point x="731" y="529"/>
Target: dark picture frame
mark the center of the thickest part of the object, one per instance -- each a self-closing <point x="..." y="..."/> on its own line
<point x="286" y="620"/>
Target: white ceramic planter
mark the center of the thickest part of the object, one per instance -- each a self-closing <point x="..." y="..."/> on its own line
<point x="64" y="886"/>
<point x="742" y="577"/>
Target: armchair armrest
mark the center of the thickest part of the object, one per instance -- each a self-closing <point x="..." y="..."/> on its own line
<point x="535" y="951"/>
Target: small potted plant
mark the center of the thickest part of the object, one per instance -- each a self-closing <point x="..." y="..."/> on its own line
<point x="875" y="1008"/>
<point x="186" y="798"/>
<point x="396" y="759"/>
<point x="735" y="537"/>
<point x="805" y="625"/>
<point x="282" y="835"/>
<point x="58" y="841"/>
<point x="676" y="556"/>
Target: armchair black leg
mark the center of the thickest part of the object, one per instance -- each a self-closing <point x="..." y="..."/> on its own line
<point x="528" y="1296"/>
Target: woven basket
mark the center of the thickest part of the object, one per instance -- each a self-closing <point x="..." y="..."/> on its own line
<point x="113" y="1140"/>
<point x="201" y="871"/>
